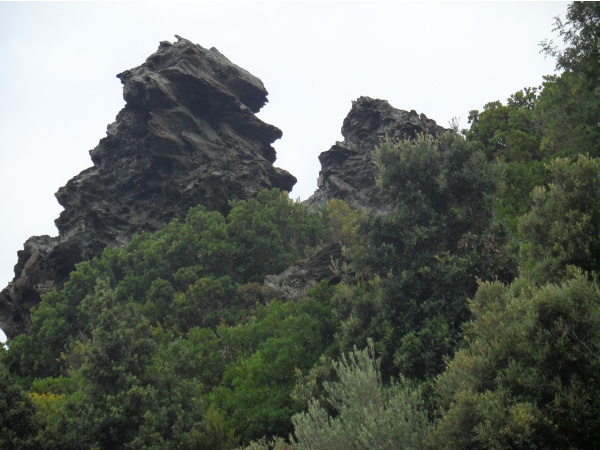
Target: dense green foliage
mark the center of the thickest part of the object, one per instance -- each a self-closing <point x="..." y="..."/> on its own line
<point x="141" y="342"/>
<point x="467" y="317"/>
<point x="563" y="226"/>
<point x="421" y="262"/>
<point x="18" y="424"/>
<point x="574" y="99"/>
<point x="528" y="373"/>
<point x="508" y="132"/>
<point x="528" y="376"/>
<point x="367" y="413"/>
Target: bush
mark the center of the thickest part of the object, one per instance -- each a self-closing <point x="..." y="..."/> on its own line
<point x="368" y="414"/>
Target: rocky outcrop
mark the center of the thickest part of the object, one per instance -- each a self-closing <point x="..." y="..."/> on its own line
<point x="294" y="282"/>
<point x="348" y="171"/>
<point x="187" y="135"/>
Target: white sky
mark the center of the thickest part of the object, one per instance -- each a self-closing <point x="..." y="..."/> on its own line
<point x="58" y="89"/>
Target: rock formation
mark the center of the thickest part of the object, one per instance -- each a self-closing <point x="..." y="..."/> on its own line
<point x="187" y="135"/>
<point x="347" y="168"/>
<point x="348" y="172"/>
<point x="294" y="282"/>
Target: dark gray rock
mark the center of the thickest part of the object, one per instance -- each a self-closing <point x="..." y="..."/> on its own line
<point x="187" y="135"/>
<point x="348" y="171"/>
<point x="293" y="283"/>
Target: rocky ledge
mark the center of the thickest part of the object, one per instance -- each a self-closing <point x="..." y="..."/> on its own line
<point x="295" y="281"/>
<point x="348" y="171"/>
<point x="187" y="135"/>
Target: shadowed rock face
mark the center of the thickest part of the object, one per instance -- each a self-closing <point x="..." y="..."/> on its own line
<point x="295" y="281"/>
<point x="348" y="171"/>
<point x="187" y="135"/>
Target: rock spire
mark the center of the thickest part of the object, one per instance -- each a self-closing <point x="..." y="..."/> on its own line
<point x="348" y="171"/>
<point x="187" y="135"/>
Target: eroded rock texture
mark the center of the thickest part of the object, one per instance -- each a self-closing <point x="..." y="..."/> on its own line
<point x="347" y="168"/>
<point x="187" y="135"/>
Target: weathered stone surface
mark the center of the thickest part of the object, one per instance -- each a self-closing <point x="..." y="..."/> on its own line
<point x="347" y="168"/>
<point x="187" y="135"/>
<point x="293" y="283"/>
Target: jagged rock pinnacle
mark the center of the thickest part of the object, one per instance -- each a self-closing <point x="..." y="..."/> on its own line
<point x="187" y="135"/>
<point x="348" y="171"/>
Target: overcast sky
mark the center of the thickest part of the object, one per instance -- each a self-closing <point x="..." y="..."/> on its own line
<point x="58" y="89"/>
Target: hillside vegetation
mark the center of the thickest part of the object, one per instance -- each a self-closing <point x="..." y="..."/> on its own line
<point x="468" y="317"/>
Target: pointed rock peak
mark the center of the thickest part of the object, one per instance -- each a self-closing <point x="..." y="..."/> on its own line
<point x="187" y="135"/>
<point x="370" y="120"/>
<point x="348" y="171"/>
<point x="189" y="67"/>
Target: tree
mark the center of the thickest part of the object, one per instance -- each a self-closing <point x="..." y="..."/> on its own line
<point x="368" y="414"/>
<point x="580" y="33"/>
<point x="341" y="222"/>
<point x="574" y="96"/>
<point x="110" y="364"/>
<point x="423" y="259"/>
<point x="563" y="227"/>
<point x="255" y="392"/>
<point x="123" y="388"/>
<point x="184" y="275"/>
<point x="275" y="227"/>
<point x="214" y="436"/>
<point x="507" y="132"/>
<point x="527" y="377"/>
<point x="18" y="423"/>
